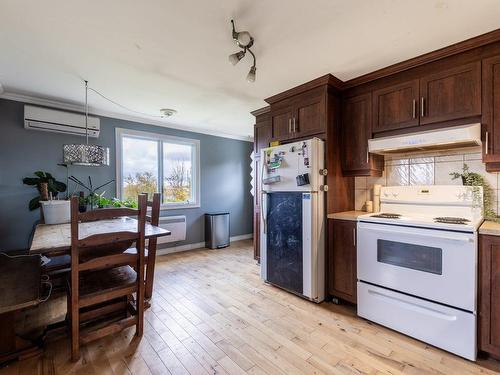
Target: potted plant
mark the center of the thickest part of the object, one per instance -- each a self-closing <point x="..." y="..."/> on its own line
<point x="54" y="187"/>
<point x="475" y="179"/>
<point x="94" y="198"/>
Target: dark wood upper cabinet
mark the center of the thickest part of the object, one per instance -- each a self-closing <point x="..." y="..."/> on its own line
<point x="451" y="94"/>
<point x="491" y="113"/>
<point x="342" y="274"/>
<point x="299" y="116"/>
<point x="310" y="115"/>
<point x="263" y="133"/>
<point x="395" y="107"/>
<point x="356" y="129"/>
<point x="281" y="120"/>
<point x="489" y="295"/>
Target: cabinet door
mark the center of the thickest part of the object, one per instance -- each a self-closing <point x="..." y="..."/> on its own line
<point x="491" y="110"/>
<point x="395" y="107"/>
<point x="310" y="116"/>
<point x="342" y="259"/>
<point x="451" y="94"/>
<point x="356" y="129"/>
<point x="263" y="133"/>
<point x="281" y="121"/>
<point x="256" y="209"/>
<point x="489" y="294"/>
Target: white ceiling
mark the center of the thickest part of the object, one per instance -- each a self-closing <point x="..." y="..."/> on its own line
<point x="153" y="54"/>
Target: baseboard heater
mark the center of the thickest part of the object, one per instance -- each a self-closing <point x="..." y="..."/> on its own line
<point x="176" y="225"/>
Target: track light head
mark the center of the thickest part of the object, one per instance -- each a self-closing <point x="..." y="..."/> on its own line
<point x="251" y="74"/>
<point x="236" y="57"/>
<point x="242" y="38"/>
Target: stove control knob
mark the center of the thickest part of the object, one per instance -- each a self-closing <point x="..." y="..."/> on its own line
<point x="386" y="194"/>
<point x="395" y="195"/>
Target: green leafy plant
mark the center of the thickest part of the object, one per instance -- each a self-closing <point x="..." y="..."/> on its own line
<point x="115" y="202"/>
<point x="129" y="203"/>
<point x="475" y="180"/>
<point x="55" y="187"/>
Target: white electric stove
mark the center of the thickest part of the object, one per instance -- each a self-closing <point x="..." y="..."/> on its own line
<point x="417" y="264"/>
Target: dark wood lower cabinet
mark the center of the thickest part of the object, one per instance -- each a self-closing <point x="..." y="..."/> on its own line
<point x="342" y="259"/>
<point x="489" y="295"/>
<point x="256" y="235"/>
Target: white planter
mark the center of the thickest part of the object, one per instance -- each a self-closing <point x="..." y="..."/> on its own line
<point x="56" y="212"/>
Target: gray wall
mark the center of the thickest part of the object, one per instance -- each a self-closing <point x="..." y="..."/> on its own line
<point x="225" y="174"/>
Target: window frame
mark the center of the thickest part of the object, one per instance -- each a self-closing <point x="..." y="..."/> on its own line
<point x="160" y="139"/>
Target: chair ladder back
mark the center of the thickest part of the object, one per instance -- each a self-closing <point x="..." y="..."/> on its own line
<point x="154" y="219"/>
<point x="105" y="261"/>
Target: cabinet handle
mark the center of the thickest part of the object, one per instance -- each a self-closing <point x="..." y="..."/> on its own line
<point x="354" y="236"/>
<point x="367" y="156"/>
<point x="422" y="107"/>
<point x="414" y="108"/>
<point x="294" y="126"/>
<point x="289" y="125"/>
<point x="486" y="144"/>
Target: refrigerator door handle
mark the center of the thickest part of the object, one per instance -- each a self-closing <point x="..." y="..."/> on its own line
<point x="263" y="207"/>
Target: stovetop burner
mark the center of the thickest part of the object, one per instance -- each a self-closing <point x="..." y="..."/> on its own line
<point x="451" y="220"/>
<point x="384" y="215"/>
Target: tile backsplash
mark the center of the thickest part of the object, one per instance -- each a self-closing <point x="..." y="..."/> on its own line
<point x="425" y="169"/>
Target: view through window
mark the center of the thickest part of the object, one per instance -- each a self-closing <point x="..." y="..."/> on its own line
<point x="150" y="162"/>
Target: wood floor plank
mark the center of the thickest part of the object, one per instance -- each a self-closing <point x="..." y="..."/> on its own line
<point x="212" y="314"/>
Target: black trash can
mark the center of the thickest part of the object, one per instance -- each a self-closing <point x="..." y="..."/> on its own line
<point x="217" y="230"/>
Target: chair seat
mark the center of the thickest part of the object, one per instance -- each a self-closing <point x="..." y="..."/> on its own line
<point x="133" y="250"/>
<point x="102" y="285"/>
<point x="57" y="264"/>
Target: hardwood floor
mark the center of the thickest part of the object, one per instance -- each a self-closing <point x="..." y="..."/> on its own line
<point x="211" y="314"/>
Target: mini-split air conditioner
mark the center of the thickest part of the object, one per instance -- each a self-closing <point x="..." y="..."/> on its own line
<point x="50" y="120"/>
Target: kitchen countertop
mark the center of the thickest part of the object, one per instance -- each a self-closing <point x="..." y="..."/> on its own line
<point x="353" y="215"/>
<point x="490" y="227"/>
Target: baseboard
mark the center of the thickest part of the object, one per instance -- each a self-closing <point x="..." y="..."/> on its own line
<point x="242" y="237"/>
<point x="198" y="245"/>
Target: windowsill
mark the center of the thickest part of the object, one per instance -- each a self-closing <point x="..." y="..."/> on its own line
<point x="165" y="207"/>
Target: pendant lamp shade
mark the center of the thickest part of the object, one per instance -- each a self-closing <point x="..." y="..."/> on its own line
<point x="86" y="154"/>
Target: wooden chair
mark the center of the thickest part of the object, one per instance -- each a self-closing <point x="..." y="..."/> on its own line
<point x="154" y="219"/>
<point x="150" y="253"/>
<point x="99" y="278"/>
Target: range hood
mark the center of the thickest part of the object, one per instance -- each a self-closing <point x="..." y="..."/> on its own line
<point x="440" y="139"/>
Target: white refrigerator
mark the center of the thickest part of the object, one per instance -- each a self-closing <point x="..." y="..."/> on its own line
<point x="292" y="230"/>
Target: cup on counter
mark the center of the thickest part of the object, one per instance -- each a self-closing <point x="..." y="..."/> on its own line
<point x="376" y="197"/>
<point x="369" y="206"/>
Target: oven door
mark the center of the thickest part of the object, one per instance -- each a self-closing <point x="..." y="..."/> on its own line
<point x="433" y="264"/>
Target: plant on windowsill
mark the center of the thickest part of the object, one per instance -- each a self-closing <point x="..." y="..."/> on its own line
<point x="93" y="198"/>
<point x="103" y="202"/>
<point x="475" y="179"/>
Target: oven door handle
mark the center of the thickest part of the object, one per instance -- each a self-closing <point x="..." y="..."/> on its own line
<point x="413" y="306"/>
<point x="459" y="239"/>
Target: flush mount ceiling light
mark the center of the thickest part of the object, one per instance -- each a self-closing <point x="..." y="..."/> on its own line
<point x="167" y="112"/>
<point x="85" y="154"/>
<point x="244" y="40"/>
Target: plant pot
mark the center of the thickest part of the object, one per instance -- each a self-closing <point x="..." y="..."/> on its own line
<point x="56" y="212"/>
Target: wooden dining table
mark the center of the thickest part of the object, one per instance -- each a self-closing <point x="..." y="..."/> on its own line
<point x="55" y="239"/>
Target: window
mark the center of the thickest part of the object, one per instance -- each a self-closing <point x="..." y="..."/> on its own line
<point x="150" y="162"/>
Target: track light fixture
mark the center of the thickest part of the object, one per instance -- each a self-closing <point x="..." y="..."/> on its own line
<point x="244" y="40"/>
